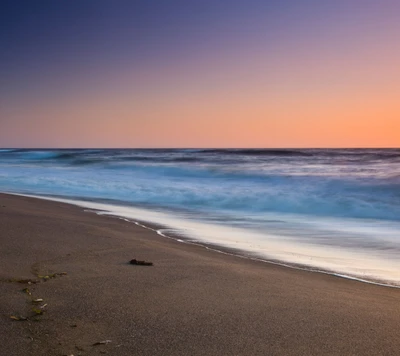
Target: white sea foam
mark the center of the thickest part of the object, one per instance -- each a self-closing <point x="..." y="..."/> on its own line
<point x="350" y="263"/>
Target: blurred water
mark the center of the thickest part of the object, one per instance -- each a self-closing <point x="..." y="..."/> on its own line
<point x="337" y="210"/>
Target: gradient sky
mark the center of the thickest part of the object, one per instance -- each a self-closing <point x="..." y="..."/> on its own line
<point x="185" y="73"/>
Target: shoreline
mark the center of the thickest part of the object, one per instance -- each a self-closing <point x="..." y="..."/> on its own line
<point x="192" y="301"/>
<point x="157" y="228"/>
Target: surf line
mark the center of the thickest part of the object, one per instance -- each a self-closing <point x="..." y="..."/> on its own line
<point x="83" y="204"/>
<point x="277" y="263"/>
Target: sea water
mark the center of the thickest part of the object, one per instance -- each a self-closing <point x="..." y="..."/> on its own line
<point x="331" y="210"/>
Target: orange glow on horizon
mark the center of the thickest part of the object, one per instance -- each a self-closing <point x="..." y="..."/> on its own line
<point x="313" y="96"/>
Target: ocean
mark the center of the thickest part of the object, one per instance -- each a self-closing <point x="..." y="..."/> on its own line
<point x="332" y="211"/>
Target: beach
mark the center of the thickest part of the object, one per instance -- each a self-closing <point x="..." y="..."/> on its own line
<point x="334" y="210"/>
<point x="192" y="301"/>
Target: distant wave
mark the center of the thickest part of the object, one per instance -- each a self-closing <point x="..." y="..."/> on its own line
<point x="160" y="159"/>
<point x="360" y="153"/>
<point x="258" y="152"/>
<point x="90" y="156"/>
<point x="81" y="157"/>
<point x="390" y="155"/>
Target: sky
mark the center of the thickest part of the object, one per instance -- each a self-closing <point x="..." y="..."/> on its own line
<point x="186" y="73"/>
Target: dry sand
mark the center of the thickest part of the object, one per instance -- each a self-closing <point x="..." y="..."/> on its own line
<point x="191" y="302"/>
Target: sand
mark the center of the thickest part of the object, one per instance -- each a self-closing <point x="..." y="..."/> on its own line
<point x="192" y="301"/>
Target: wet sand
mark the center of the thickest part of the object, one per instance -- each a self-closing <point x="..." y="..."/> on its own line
<point x="192" y="301"/>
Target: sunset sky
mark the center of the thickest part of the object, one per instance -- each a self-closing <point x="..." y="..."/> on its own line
<point x="185" y="73"/>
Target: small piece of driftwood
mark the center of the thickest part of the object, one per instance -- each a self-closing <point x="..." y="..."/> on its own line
<point x="140" y="263"/>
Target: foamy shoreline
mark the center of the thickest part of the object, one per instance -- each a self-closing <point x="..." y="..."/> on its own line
<point x="171" y="228"/>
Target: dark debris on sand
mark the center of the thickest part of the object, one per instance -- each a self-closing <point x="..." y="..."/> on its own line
<point x="140" y="263"/>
